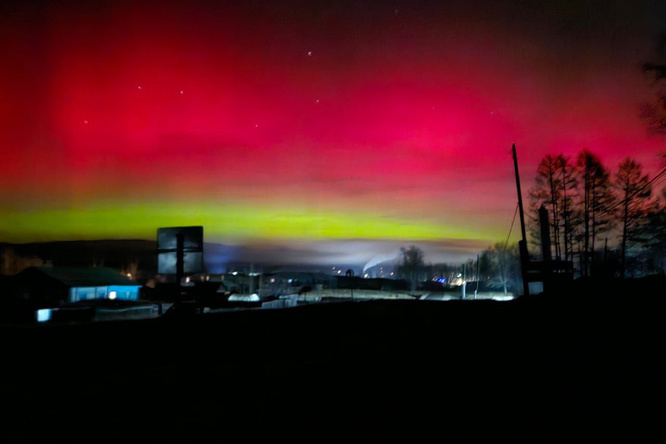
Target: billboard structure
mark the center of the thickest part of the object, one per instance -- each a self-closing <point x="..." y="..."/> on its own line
<point x="180" y="251"/>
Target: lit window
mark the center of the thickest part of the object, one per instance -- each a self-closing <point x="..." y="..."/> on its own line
<point x="44" y="315"/>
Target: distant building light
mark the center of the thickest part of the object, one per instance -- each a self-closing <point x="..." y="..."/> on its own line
<point x="339" y="271"/>
<point x="187" y="279"/>
<point x="112" y="295"/>
<point x="365" y="275"/>
<point x="129" y="275"/>
<point x="234" y="273"/>
<point x="44" y="314"/>
<point x="244" y="298"/>
<point x="507" y="297"/>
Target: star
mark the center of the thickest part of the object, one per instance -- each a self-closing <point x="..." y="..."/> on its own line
<point x="256" y="126"/>
<point x="138" y="87"/>
<point x="317" y="101"/>
<point x="309" y="53"/>
<point x="181" y="92"/>
<point x="85" y="122"/>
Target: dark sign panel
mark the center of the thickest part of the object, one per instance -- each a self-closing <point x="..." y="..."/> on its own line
<point x="166" y="263"/>
<point x="167" y="249"/>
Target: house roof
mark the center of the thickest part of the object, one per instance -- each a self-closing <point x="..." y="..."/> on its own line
<point x="81" y="276"/>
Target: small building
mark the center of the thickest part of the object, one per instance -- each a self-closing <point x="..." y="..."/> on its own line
<point x="56" y="286"/>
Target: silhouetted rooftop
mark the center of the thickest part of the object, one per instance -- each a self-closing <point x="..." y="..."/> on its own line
<point x="79" y="276"/>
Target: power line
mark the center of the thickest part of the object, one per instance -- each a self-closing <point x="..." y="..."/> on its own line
<point x="510" y="229"/>
<point x="626" y="199"/>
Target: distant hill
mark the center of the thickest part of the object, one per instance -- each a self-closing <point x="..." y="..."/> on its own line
<point x="120" y="253"/>
<point x="108" y="253"/>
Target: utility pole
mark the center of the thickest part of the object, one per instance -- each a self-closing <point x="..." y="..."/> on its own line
<point x="464" y="282"/>
<point x="180" y="258"/>
<point x="477" y="276"/>
<point x="524" y="257"/>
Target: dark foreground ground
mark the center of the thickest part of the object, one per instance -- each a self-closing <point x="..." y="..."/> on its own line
<point x="586" y="365"/>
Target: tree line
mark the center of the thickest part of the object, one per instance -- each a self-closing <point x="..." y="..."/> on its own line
<point x="607" y="223"/>
<point x="603" y="221"/>
<point x="497" y="267"/>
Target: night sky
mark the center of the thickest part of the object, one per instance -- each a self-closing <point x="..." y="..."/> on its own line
<point x="309" y="123"/>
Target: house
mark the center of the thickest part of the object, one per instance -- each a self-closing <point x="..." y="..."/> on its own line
<point x="57" y="286"/>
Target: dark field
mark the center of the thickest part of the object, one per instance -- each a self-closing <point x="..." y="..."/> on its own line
<point x="587" y="365"/>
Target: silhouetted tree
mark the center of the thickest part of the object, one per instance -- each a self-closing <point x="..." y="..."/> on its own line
<point x="412" y="265"/>
<point x="555" y="187"/>
<point x="444" y="270"/>
<point x="571" y="219"/>
<point x="12" y="263"/>
<point x="549" y="179"/>
<point x="548" y="191"/>
<point x="504" y="264"/>
<point x="655" y="232"/>
<point x="485" y="265"/>
<point x="131" y="269"/>
<point x="635" y="205"/>
<point x="596" y="199"/>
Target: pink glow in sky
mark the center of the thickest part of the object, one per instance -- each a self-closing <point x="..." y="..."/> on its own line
<point x="390" y="109"/>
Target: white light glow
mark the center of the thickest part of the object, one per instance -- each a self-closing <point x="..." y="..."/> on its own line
<point x="112" y="295"/>
<point x="244" y="298"/>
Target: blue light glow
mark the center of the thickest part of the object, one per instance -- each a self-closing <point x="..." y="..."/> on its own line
<point x="44" y="314"/>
